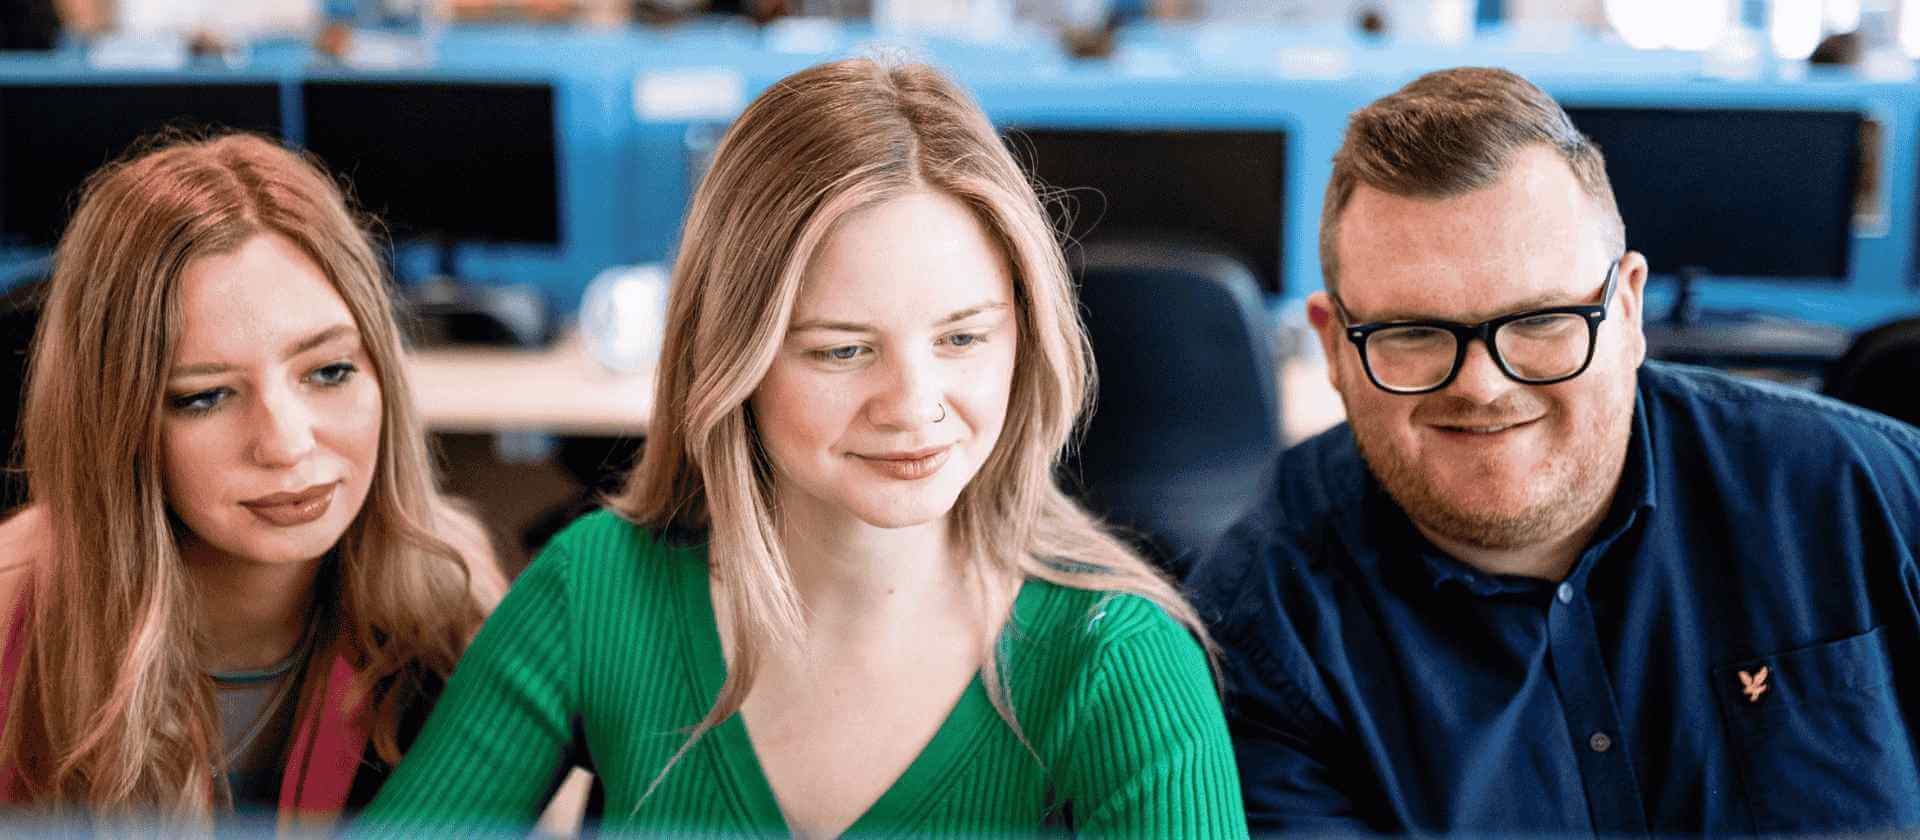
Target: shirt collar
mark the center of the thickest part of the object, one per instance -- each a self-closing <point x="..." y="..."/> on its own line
<point x="1378" y="533"/>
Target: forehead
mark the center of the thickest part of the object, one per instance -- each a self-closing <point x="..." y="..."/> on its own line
<point x="254" y="300"/>
<point x="922" y="254"/>
<point x="1531" y="234"/>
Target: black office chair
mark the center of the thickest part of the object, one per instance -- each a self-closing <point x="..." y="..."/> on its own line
<point x="1881" y="371"/>
<point x="1187" y="416"/>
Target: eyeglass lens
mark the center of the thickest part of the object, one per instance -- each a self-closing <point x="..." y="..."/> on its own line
<point x="1539" y="348"/>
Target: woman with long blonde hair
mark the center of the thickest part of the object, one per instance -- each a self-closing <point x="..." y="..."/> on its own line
<point x="842" y="593"/>
<point x="236" y="588"/>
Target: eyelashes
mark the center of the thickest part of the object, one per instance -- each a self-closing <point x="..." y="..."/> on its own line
<point x="846" y="354"/>
<point x="204" y="402"/>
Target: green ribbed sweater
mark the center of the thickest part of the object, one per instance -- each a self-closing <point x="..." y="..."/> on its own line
<point x="608" y="642"/>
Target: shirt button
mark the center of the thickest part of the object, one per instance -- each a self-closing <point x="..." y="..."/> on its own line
<point x="1566" y="593"/>
<point x="1600" y="742"/>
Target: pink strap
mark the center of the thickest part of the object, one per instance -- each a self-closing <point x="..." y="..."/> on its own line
<point x="328" y="741"/>
<point x="328" y="744"/>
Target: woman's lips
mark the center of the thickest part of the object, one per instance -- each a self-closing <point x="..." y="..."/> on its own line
<point x="289" y="509"/>
<point x="908" y="466"/>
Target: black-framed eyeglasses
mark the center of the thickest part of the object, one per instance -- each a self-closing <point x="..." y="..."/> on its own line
<point x="1536" y="347"/>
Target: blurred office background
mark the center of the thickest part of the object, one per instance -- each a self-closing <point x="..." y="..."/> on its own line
<point x="530" y="161"/>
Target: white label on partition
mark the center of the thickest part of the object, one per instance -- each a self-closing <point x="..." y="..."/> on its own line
<point x="689" y="94"/>
<point x="146" y="51"/>
<point x="1313" y="62"/>
<point x="803" y="35"/>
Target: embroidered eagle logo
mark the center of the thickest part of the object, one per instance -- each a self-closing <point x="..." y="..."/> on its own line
<point x="1754" y="684"/>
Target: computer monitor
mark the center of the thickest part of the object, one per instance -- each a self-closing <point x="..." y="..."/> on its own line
<point x="1219" y="189"/>
<point x="53" y="136"/>
<point x="1750" y="193"/>
<point x="445" y="161"/>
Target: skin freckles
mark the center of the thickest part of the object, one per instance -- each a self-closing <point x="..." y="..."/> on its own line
<point x="272" y="415"/>
<point x="1532" y="239"/>
<point x="891" y="387"/>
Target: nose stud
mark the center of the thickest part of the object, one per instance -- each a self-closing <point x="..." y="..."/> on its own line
<point x="943" y="412"/>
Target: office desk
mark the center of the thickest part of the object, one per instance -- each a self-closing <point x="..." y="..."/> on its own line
<point x="1308" y="403"/>
<point x="560" y="390"/>
<point x="557" y="389"/>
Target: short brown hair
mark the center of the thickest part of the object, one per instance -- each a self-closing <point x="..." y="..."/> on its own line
<point x="1451" y="132"/>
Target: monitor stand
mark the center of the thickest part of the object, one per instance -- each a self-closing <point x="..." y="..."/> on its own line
<point x="1769" y="347"/>
<point x="442" y="309"/>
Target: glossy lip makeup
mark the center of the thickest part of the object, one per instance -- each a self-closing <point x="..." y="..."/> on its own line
<point x="287" y="510"/>
<point x="909" y="466"/>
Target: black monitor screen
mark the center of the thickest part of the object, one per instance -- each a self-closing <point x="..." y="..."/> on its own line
<point x="53" y="136"/>
<point x="1224" y="190"/>
<point x="443" y="160"/>
<point x="1747" y="193"/>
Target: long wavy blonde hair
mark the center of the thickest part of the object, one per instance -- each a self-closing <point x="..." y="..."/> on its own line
<point x="112" y="710"/>
<point x="818" y="145"/>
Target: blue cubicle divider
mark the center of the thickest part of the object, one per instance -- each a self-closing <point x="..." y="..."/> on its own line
<point x="638" y="109"/>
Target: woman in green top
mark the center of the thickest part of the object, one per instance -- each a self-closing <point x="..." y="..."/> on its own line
<point x="841" y="593"/>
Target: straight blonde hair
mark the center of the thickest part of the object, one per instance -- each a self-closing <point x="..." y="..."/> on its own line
<point x="815" y="147"/>
<point x="112" y="710"/>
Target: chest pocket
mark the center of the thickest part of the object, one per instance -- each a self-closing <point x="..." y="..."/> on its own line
<point x="1819" y="739"/>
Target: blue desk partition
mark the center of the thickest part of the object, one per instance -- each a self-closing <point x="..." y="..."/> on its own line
<point x="638" y="112"/>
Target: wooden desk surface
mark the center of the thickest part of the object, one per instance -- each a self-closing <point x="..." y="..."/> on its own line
<point x="560" y="389"/>
<point x="1308" y="403"/>
<point x="557" y="389"/>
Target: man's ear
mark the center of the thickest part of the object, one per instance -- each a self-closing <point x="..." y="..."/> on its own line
<point x="1630" y="288"/>
<point x="1327" y="325"/>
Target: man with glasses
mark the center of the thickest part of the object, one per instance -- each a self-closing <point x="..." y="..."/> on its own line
<point x="1536" y="583"/>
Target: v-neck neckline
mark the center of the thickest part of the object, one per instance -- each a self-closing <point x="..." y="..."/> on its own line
<point x="950" y="744"/>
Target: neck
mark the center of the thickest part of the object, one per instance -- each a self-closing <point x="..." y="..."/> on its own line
<point x="855" y="574"/>
<point x="252" y="614"/>
<point x="1549" y="559"/>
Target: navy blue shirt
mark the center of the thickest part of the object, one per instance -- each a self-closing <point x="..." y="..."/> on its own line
<point x="1737" y="650"/>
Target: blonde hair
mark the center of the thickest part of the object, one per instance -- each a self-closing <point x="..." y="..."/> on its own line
<point x="820" y="144"/>
<point x="111" y="709"/>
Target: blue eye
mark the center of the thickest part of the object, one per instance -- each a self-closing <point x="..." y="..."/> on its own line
<point x="198" y="402"/>
<point x="966" y="339"/>
<point x="334" y="374"/>
<point x="843" y="353"/>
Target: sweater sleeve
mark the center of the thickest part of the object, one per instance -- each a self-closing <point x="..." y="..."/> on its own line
<point x="496" y="745"/>
<point x="1152" y="756"/>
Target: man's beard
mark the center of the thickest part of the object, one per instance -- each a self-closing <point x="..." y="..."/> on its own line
<point x="1580" y="479"/>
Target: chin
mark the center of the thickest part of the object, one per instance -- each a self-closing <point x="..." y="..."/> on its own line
<point x="903" y="516"/>
<point x="904" y="510"/>
<point x="284" y="552"/>
<point x="288" y="547"/>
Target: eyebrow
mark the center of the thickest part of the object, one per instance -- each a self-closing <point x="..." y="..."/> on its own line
<point x="813" y="324"/>
<point x="1541" y="301"/>
<point x="303" y="345"/>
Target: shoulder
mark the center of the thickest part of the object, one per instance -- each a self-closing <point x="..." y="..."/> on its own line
<point x="1083" y="626"/>
<point x="1772" y="427"/>
<point x="25" y="537"/>
<point x="1087" y="664"/>
<point x="1306" y="490"/>
<point x="605" y="532"/>
<point x="1284" y="550"/>
<point x="1309" y="483"/>
<point x="459" y="528"/>
<point x="607" y="549"/>
<point x="24" y="532"/>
